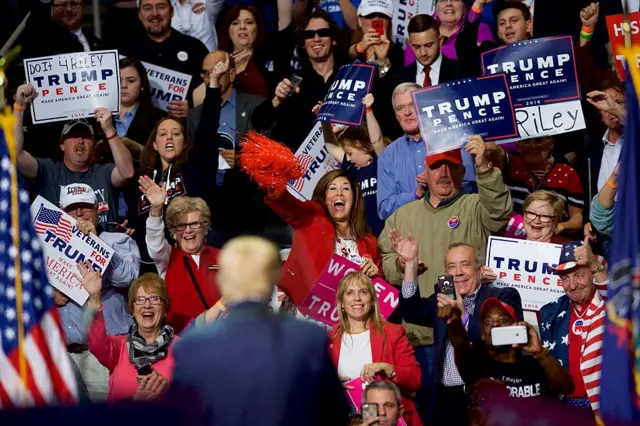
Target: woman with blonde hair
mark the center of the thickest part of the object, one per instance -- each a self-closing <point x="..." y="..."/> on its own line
<point x="364" y="345"/>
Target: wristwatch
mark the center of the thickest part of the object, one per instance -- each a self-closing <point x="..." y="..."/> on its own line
<point x="393" y="372"/>
<point x="599" y="269"/>
<point x="487" y="168"/>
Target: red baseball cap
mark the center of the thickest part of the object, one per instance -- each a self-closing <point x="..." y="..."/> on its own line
<point x="494" y="302"/>
<point x="454" y="157"/>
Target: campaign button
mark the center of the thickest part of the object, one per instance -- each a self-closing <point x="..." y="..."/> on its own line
<point x="183" y="56"/>
<point x="453" y="222"/>
<point x="576" y="328"/>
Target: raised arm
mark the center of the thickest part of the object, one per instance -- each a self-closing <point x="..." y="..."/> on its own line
<point x="121" y="156"/>
<point x="331" y="142"/>
<point x="285" y="14"/>
<point x="293" y="211"/>
<point x="375" y="132"/>
<point x="27" y="164"/>
<point x="349" y="13"/>
<point x="589" y="17"/>
<point x="157" y="245"/>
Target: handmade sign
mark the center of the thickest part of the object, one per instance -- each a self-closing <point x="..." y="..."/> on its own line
<point x="320" y="304"/>
<point x="343" y="102"/>
<point x="73" y="85"/>
<point x="526" y="266"/>
<point x="543" y="81"/>
<point x="615" y="26"/>
<point x="451" y="112"/>
<point x="315" y="162"/>
<point x="166" y="85"/>
<point x="64" y="246"/>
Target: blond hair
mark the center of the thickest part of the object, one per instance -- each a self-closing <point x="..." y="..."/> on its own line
<point x="152" y="284"/>
<point x="374" y="319"/>
<point x="182" y="206"/>
<point x="557" y="203"/>
<point x="249" y="266"/>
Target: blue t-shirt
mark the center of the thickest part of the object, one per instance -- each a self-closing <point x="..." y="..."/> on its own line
<point x="332" y="7"/>
<point x="368" y="179"/>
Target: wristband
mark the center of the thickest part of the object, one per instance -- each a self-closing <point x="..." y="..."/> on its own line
<point x="112" y="136"/>
<point x="18" y="107"/>
<point x="585" y="36"/>
<point x="221" y="306"/>
<point x="475" y="9"/>
<point x="368" y="110"/>
<point x="586" y="29"/>
<point x="359" y="48"/>
<point x="417" y="196"/>
<point x="611" y="184"/>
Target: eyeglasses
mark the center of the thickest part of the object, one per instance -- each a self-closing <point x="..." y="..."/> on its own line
<point x="544" y="218"/>
<point x="448" y="1"/>
<point x="193" y="225"/>
<point x="502" y="321"/>
<point x="322" y="32"/>
<point x="71" y="4"/>
<point x="141" y="300"/>
<point x="80" y="211"/>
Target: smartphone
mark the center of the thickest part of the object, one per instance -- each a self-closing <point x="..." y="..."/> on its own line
<point x="145" y="371"/>
<point x="512" y="335"/>
<point x="369" y="411"/>
<point x="378" y="25"/>
<point x="446" y="286"/>
<point x="295" y="83"/>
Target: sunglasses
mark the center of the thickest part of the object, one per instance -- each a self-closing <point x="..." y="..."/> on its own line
<point x="322" y="32"/>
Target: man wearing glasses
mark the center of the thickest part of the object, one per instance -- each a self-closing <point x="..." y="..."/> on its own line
<point x="69" y="14"/>
<point x="79" y="201"/>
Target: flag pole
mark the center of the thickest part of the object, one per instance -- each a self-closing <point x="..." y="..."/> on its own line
<point x="8" y="121"/>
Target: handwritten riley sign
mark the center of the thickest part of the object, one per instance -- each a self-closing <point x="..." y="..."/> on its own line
<point x="320" y="304"/>
<point x="64" y="246"/>
<point x="73" y="85"/>
<point x="543" y="81"/>
<point x="526" y="266"/>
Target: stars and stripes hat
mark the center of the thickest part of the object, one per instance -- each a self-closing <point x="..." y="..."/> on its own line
<point x="567" y="257"/>
<point x="494" y="302"/>
<point x="81" y="126"/>
<point x="76" y="193"/>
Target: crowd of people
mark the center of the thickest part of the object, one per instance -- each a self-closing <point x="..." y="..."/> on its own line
<point x="189" y="280"/>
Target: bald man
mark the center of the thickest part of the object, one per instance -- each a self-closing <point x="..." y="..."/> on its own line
<point x="254" y="367"/>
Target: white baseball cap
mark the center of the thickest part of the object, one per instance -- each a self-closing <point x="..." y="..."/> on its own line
<point x="77" y="193"/>
<point x="368" y="7"/>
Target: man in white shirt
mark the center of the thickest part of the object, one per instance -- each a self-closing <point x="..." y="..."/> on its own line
<point x="197" y="18"/>
<point x="613" y="136"/>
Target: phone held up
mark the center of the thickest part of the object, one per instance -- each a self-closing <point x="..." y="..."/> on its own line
<point x="511" y="335"/>
<point x="295" y="83"/>
<point x="445" y="282"/>
<point x="378" y="25"/>
<point x="369" y="411"/>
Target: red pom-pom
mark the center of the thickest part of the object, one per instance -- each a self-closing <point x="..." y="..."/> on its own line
<point x="269" y="163"/>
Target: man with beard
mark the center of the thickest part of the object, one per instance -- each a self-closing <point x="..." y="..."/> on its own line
<point x="69" y="14"/>
<point x="292" y="110"/>
<point x="76" y="142"/>
<point x="165" y="47"/>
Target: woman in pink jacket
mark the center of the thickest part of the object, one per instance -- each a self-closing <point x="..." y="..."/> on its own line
<point x="140" y="363"/>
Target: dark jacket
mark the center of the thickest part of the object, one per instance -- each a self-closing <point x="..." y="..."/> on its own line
<point x="147" y="116"/>
<point x="424" y="311"/>
<point x="273" y="371"/>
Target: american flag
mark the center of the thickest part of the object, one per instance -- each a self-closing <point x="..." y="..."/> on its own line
<point x="51" y="220"/>
<point x="50" y="377"/>
<point x="304" y="161"/>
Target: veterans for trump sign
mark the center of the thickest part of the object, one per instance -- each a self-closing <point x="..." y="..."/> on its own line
<point x="449" y="113"/>
<point x="73" y="85"/>
<point x="321" y="305"/>
<point x="343" y="102"/>
<point x="615" y="27"/>
<point x="166" y="85"/>
<point x="315" y="162"/>
<point x="64" y="245"/>
<point x="543" y="81"/>
<point x="526" y="266"/>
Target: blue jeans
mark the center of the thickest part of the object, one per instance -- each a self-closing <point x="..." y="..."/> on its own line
<point x="425" y="356"/>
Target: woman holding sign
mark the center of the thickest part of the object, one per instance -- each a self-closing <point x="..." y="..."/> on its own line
<point x="363" y="345"/>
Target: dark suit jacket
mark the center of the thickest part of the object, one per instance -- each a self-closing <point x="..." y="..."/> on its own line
<point x="143" y="123"/>
<point x="257" y="368"/>
<point x="424" y="311"/>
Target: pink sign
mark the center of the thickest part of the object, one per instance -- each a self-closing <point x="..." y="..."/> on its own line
<point x="515" y="228"/>
<point x="320" y="304"/>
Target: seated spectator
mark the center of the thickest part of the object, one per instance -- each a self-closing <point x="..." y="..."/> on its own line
<point x="333" y="222"/>
<point x="290" y="113"/>
<point x="572" y="326"/>
<point x="76" y="142"/>
<point x="190" y="269"/>
<point x="464" y="262"/>
<point x="170" y="157"/>
<point x="358" y="149"/>
<point x="513" y="21"/>
<point x="79" y="201"/>
<point x="364" y="345"/>
<point x="260" y="57"/>
<point x="70" y="14"/>
<point x="137" y="115"/>
<point x="388" y="398"/>
<point x="534" y="168"/>
<point x="524" y="376"/>
<point x="401" y="171"/>
<point x="140" y="363"/>
<point x="197" y="19"/>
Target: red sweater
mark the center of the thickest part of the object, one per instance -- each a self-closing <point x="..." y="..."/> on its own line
<point x="313" y="244"/>
<point x="186" y="303"/>
<point x="392" y="348"/>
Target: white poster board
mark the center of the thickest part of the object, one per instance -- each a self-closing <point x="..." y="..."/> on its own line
<point x="525" y="266"/>
<point x="316" y="162"/>
<point x="73" y="85"/>
<point x="166" y="85"/>
<point x="64" y="246"/>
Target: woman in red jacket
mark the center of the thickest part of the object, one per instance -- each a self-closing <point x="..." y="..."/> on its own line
<point x="334" y="222"/>
<point x="363" y="345"/>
